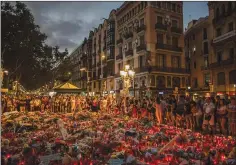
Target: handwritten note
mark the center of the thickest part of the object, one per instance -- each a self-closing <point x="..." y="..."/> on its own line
<point x="45" y="160"/>
<point x="62" y="129"/>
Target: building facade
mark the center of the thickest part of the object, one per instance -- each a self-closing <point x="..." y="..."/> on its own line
<point x="146" y="35"/>
<point x="222" y="15"/>
<point x="210" y="49"/>
<point x="149" y="37"/>
<point x="198" y="51"/>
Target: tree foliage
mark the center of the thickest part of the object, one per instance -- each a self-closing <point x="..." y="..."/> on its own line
<point x="24" y="52"/>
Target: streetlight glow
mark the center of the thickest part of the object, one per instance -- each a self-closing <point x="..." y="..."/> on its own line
<point x="234" y="85"/>
<point x="189" y="87"/>
<point x="131" y="73"/>
<point x="103" y="56"/>
<point x="127" y="67"/>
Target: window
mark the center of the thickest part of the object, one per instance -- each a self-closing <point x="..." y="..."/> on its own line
<point x="94" y="85"/>
<point x="205" y="48"/>
<point x="217" y="13"/>
<point x="195" y="83"/>
<point x="232" y="77"/>
<point x="231" y="53"/>
<point x="204" y="33"/>
<point x="142" y="21"/>
<point x="229" y="7"/>
<point x="141" y="61"/>
<point x="130" y="29"/>
<point x="175" y="61"/>
<point x="159" y="19"/>
<point x="174" y="23"/>
<point x="142" y="40"/>
<point x="174" y="7"/>
<point x="193" y="36"/>
<point x="129" y="45"/>
<point x="168" y="5"/>
<point x="223" y="9"/>
<point x="221" y="78"/>
<point x="230" y="26"/>
<point x="161" y="60"/>
<point x="120" y="50"/>
<point x="175" y="41"/>
<point x="218" y="32"/>
<point x="164" y="5"/>
<point x="160" y="38"/>
<point x="152" y="80"/>
<point x="178" y="8"/>
<point x="161" y="82"/>
<point x="219" y="57"/>
<point x="176" y="82"/>
<point x="195" y="65"/>
<point x="207" y="78"/>
<point x="158" y="4"/>
<point x="206" y="62"/>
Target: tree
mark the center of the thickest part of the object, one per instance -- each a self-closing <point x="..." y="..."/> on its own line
<point x="23" y="51"/>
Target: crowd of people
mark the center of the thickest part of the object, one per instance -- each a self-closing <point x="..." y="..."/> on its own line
<point x="211" y="114"/>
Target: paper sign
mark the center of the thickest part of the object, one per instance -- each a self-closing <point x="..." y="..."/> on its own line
<point x="45" y="160"/>
<point x="62" y="129"/>
<point x="116" y="161"/>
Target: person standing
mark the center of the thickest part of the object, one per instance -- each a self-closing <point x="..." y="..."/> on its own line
<point x="209" y="116"/>
<point x="221" y="114"/>
<point x="158" y="111"/>
<point x="232" y="117"/>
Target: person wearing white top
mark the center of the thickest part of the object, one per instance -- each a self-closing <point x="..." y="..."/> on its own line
<point x="209" y="118"/>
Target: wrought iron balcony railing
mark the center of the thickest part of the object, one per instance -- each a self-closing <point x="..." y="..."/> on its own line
<point x="129" y="53"/>
<point x="160" y="26"/>
<point x="119" y="41"/>
<point x="224" y="36"/>
<point x="168" y="47"/>
<point x="141" y="47"/>
<point x="128" y="35"/>
<point x="176" y="30"/>
<point x="119" y="57"/>
<point x="141" y="28"/>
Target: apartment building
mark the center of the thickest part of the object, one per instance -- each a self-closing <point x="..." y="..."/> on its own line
<point x="222" y="15"/>
<point x="198" y="50"/>
<point x="149" y="37"/>
<point x="146" y="35"/>
<point x="210" y="49"/>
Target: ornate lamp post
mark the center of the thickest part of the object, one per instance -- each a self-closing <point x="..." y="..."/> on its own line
<point x="127" y="75"/>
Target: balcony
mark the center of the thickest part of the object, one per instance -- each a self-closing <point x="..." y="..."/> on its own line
<point x="176" y="30"/>
<point x="110" y="73"/>
<point x="129" y="53"/>
<point x="161" y="69"/>
<point x="223" y="63"/>
<point x="119" y="57"/>
<point x="170" y="69"/>
<point x="84" y="56"/>
<point x="160" y="26"/>
<point x="168" y="47"/>
<point x="141" y="28"/>
<point x="128" y="35"/>
<point x="119" y="41"/>
<point x="141" y="47"/>
<point x="110" y="57"/>
<point x="111" y="30"/>
<point x="205" y="68"/>
<point x="224" y="37"/>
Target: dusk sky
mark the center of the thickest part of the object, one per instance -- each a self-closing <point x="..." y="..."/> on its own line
<point x="67" y="23"/>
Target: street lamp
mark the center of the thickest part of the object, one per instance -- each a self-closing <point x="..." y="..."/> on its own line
<point x="234" y="90"/>
<point x="127" y="74"/>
